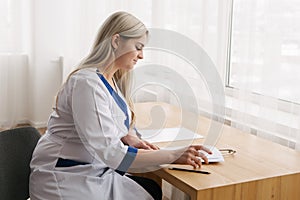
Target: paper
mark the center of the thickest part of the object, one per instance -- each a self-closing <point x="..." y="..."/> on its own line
<point x="216" y="155"/>
<point x="168" y="135"/>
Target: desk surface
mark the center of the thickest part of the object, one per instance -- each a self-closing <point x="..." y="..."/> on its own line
<point x="260" y="169"/>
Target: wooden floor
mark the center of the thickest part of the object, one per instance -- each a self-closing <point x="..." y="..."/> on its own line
<point x="41" y="130"/>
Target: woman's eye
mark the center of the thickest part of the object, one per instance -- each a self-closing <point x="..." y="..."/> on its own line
<point x="138" y="48"/>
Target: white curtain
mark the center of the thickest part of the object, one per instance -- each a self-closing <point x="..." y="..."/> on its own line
<point x="25" y="29"/>
<point x="13" y="63"/>
<point x="265" y="73"/>
<point x="13" y="89"/>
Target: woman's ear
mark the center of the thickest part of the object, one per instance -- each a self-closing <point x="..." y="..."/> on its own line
<point x="115" y="40"/>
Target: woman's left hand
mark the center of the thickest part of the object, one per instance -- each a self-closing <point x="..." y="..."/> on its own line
<point x="134" y="141"/>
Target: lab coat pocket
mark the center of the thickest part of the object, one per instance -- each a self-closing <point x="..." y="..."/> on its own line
<point x="78" y="186"/>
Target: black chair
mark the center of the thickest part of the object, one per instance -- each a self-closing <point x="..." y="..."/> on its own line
<point x="16" y="147"/>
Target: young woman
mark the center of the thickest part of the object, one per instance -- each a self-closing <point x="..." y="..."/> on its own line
<point x="91" y="140"/>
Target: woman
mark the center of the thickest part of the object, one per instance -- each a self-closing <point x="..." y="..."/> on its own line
<point x="91" y="141"/>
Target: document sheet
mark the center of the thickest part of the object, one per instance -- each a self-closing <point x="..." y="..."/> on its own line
<point x="168" y="134"/>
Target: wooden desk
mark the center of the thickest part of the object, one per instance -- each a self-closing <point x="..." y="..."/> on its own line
<point x="260" y="170"/>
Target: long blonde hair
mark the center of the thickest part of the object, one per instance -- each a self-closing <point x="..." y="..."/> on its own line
<point x="102" y="53"/>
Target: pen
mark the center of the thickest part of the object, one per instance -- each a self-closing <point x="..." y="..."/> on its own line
<point x="189" y="170"/>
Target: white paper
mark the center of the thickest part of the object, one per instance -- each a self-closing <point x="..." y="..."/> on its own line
<point x="168" y="135"/>
<point x="216" y="155"/>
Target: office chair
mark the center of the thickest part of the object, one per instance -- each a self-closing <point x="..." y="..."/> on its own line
<point x="16" y="147"/>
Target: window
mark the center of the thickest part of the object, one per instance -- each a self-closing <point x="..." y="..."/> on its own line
<point x="265" y="48"/>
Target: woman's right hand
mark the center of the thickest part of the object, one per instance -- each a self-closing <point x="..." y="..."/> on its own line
<point x="192" y="155"/>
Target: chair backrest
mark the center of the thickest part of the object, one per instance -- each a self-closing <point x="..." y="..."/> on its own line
<point x="16" y="147"/>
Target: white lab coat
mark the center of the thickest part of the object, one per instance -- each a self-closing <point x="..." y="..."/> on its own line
<point x="88" y="129"/>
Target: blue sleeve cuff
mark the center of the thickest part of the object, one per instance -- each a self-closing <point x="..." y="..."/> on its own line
<point x="128" y="159"/>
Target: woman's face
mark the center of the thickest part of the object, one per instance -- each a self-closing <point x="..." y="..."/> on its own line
<point x="129" y="51"/>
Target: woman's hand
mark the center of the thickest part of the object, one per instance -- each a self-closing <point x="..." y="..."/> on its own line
<point x="134" y="141"/>
<point x="192" y="156"/>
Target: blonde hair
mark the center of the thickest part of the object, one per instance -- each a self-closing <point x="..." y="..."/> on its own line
<point x="102" y="55"/>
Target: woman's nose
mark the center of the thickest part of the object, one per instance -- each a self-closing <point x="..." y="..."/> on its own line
<point x="141" y="54"/>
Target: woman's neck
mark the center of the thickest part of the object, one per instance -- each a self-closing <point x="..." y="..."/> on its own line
<point x="109" y="77"/>
<point x="109" y="74"/>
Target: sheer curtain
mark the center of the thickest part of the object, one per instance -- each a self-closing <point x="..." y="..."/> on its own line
<point x="205" y="22"/>
<point x="13" y="62"/>
<point x="264" y="71"/>
<point x="14" y="90"/>
<point x="23" y="31"/>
